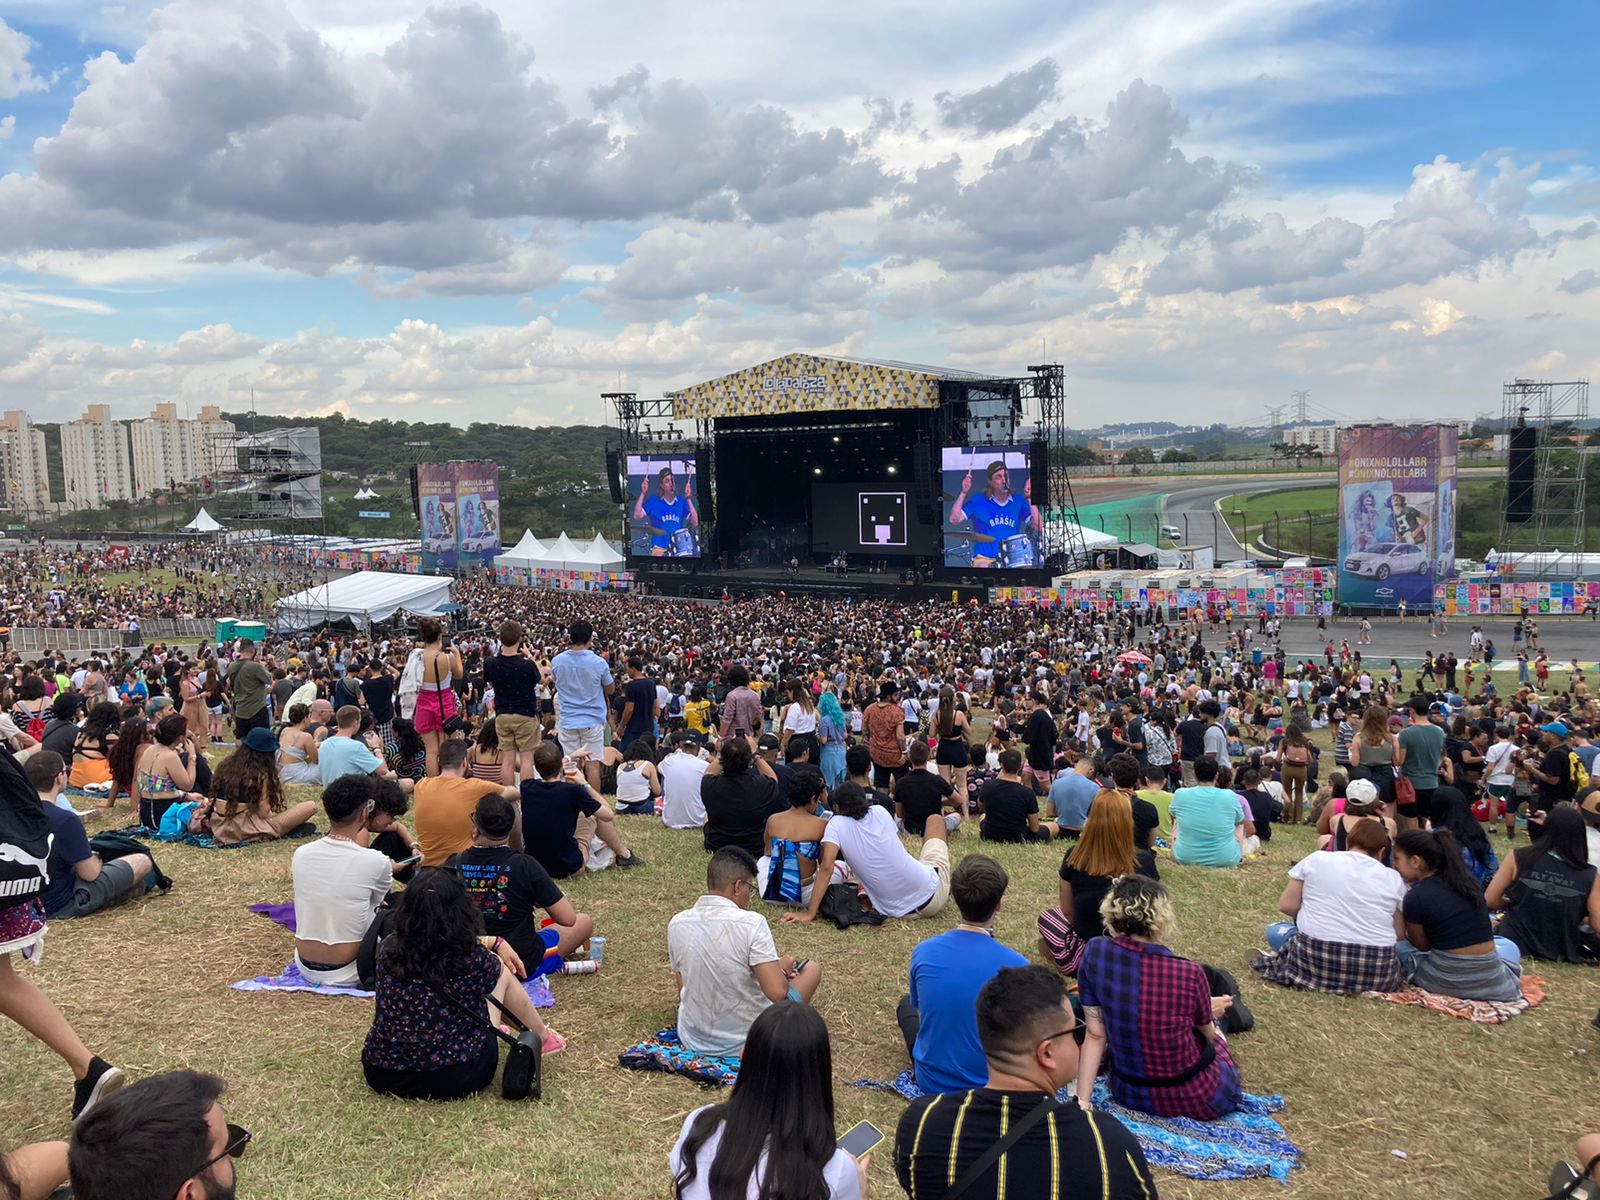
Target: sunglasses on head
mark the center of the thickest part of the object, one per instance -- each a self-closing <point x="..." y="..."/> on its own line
<point x="238" y="1139"/>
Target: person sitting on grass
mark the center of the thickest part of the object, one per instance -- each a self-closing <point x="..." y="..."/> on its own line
<point x="1154" y="1011"/>
<point x="33" y="1172"/>
<point x="421" y="1045"/>
<point x="388" y="833"/>
<point x="1010" y="807"/>
<point x="863" y="835"/>
<point x="80" y="883"/>
<point x="920" y="794"/>
<point x="1207" y="820"/>
<point x="1361" y="802"/>
<point x="1105" y="851"/>
<point x="162" y="776"/>
<point x="445" y="804"/>
<point x="739" y="791"/>
<point x="339" y="882"/>
<point x="638" y="784"/>
<point x="1548" y="890"/>
<point x="297" y="749"/>
<point x="948" y="970"/>
<point x="1073" y="792"/>
<point x="777" y="1125"/>
<point x="163" y="1138"/>
<point x="786" y="872"/>
<point x="1345" y="918"/>
<point x="247" y="802"/>
<point x="1450" y="947"/>
<point x="562" y="818"/>
<point x="510" y="887"/>
<point x="1026" y="1027"/>
<point x="91" y="747"/>
<point x="725" y="963"/>
<point x="346" y="752"/>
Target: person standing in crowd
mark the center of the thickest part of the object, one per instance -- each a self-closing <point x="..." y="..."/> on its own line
<point x="515" y="678"/>
<point x="436" y="696"/>
<point x="1419" y="754"/>
<point x="248" y="682"/>
<point x="1039" y="734"/>
<point x="583" y="691"/>
<point x="641" y="710"/>
<point x="883" y="725"/>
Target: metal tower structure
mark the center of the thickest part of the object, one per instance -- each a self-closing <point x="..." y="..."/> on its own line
<point x="1063" y="532"/>
<point x="1550" y="409"/>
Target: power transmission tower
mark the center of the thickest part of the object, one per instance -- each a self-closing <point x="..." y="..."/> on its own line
<point x="1301" y="400"/>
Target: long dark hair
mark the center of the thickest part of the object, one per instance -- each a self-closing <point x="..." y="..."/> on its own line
<point x="947" y="711"/>
<point x="1441" y="854"/>
<point x="1453" y="813"/>
<point x="1563" y="836"/>
<point x="781" y="1106"/>
<point x="241" y="779"/>
<point x="407" y="740"/>
<point x="436" y="930"/>
<point x="124" y="755"/>
<point x="102" y="719"/>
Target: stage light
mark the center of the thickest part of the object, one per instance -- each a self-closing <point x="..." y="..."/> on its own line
<point x="816" y="470"/>
<point x="893" y="468"/>
<point x="836" y="437"/>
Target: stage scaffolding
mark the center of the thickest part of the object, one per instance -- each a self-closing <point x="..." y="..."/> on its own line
<point x="1555" y="411"/>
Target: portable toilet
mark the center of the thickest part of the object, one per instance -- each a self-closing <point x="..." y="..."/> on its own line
<point x="227" y="629"/>
<point x="254" y="630"/>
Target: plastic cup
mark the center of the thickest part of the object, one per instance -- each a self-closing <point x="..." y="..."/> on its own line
<point x="597" y="950"/>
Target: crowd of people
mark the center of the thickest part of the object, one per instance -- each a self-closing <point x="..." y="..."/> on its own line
<point x="849" y="761"/>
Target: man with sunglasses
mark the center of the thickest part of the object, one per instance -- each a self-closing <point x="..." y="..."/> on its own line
<point x="163" y="1138"/>
<point x="1047" y="1150"/>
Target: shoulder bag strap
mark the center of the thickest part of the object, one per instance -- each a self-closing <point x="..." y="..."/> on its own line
<point x="991" y="1156"/>
<point x="481" y="1017"/>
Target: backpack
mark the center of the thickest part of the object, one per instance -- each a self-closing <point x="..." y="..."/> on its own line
<point x="25" y="837"/>
<point x="1580" y="773"/>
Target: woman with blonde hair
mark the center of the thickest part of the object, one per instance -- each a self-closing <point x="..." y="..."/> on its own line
<point x="1154" y="1011"/>
<point x="799" y="721"/>
<point x="1104" y="852"/>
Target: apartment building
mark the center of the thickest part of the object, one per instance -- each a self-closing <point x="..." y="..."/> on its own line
<point x="168" y="449"/>
<point x="24" y="467"/>
<point x="95" y="459"/>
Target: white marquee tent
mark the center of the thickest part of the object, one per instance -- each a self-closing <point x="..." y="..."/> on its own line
<point x="528" y="552"/>
<point x="563" y="554"/>
<point x="364" y="597"/>
<point x="203" y="522"/>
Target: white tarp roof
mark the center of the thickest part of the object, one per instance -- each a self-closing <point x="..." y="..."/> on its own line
<point x="366" y="493"/>
<point x="603" y="553"/>
<point x="364" y="597"/>
<point x="563" y="554"/>
<point x="527" y="552"/>
<point x="203" y="522"/>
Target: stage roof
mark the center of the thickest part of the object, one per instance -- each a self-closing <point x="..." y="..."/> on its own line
<point x="799" y="383"/>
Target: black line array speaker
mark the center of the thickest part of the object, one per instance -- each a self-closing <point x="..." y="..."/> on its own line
<point x="702" y="485"/>
<point x="416" y="499"/>
<point x="1039" y="465"/>
<point x="614" y="476"/>
<point x="1522" y="460"/>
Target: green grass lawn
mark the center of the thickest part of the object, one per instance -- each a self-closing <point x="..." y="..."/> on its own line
<point x="1478" y="1111"/>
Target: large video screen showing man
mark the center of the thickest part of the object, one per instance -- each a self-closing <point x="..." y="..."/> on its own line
<point x="989" y="517"/>
<point x="662" y="519"/>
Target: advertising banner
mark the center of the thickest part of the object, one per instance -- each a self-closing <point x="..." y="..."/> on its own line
<point x="436" y="497"/>
<point x="1396" y="506"/>
<point x="477" y="497"/>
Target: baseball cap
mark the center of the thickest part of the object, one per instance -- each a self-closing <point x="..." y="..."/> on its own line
<point x="767" y="742"/>
<point x="1362" y="792"/>
<point x="1555" y="727"/>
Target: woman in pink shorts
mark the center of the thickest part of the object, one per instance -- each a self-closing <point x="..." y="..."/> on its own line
<point x="436" y="701"/>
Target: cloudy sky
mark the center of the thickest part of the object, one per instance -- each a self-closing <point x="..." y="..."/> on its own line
<point x="496" y="210"/>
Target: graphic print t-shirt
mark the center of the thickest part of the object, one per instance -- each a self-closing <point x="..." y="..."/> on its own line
<point x="667" y="516"/>
<point x="1407" y="522"/>
<point x="508" y="888"/>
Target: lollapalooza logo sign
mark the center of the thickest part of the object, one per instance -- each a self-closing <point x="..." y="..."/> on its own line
<point x="794" y="383"/>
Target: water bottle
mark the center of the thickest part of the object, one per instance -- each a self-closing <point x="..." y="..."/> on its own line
<point x="597" y="950"/>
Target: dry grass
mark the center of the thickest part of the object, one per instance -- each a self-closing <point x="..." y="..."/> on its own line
<point x="1479" y="1112"/>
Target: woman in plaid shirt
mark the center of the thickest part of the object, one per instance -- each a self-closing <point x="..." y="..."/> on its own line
<point x="1153" y="1012"/>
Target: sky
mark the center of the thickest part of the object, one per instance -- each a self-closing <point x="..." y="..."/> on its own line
<point x="496" y="211"/>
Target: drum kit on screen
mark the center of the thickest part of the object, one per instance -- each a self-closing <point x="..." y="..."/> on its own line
<point x="1012" y="552"/>
<point x="683" y="542"/>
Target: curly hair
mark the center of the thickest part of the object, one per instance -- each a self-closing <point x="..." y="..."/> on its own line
<point x="436" y="930"/>
<point x="241" y="779"/>
<point x="1137" y="906"/>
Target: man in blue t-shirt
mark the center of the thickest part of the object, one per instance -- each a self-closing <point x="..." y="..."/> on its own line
<point x="583" y="692"/>
<point x="1074" y="791"/>
<point x="997" y="512"/>
<point x="80" y="882"/>
<point x="665" y="511"/>
<point x="938" y="1017"/>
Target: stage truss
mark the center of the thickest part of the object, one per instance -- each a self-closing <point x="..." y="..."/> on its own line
<point x="646" y="425"/>
<point x="1554" y="409"/>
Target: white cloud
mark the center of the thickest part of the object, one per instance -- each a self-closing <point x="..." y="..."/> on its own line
<point x="16" y="73"/>
<point x="8" y="126"/>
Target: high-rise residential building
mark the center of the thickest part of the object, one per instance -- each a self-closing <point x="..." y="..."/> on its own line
<point x="24" y="469"/>
<point x="168" y="449"/>
<point x="95" y="460"/>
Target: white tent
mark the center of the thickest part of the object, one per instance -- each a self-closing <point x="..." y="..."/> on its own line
<point x="363" y="598"/>
<point x="203" y="522"/>
<point x="528" y="552"/>
<point x="564" y="554"/>
<point x="365" y="493"/>
<point x="603" y="554"/>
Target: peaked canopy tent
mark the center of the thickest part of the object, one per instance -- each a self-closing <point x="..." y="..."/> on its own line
<point x="603" y="554"/>
<point x="203" y="522"/>
<point x="530" y="551"/>
<point x="363" y="598"/>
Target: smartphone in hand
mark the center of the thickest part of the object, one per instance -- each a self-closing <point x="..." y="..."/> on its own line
<point x="861" y="1139"/>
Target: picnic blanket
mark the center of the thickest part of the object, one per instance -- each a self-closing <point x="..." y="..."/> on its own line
<point x="1480" y="1012"/>
<point x="290" y="980"/>
<point x="662" y="1051"/>
<point x="283" y="914"/>
<point x="204" y="840"/>
<point x="1247" y="1144"/>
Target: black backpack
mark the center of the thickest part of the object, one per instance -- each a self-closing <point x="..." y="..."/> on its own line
<point x="25" y="837"/>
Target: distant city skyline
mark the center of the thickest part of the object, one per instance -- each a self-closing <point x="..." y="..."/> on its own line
<point x="495" y="211"/>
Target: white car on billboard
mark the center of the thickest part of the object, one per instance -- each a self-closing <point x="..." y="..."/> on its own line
<point x="1386" y="559"/>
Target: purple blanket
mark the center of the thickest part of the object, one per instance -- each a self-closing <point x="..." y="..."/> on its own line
<point x="281" y="914"/>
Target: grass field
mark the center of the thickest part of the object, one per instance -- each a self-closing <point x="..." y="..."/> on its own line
<point x="1478" y="1111"/>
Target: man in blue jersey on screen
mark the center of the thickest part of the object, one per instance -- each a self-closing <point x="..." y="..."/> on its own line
<point x="998" y="512"/>
<point x="666" y="511"/>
